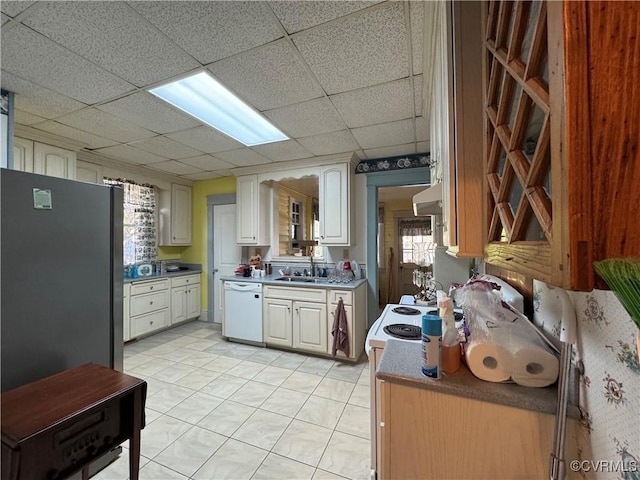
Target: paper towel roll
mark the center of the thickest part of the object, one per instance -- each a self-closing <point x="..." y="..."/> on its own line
<point x="533" y="366"/>
<point x="488" y="361"/>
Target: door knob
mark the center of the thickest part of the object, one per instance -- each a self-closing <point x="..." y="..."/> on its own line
<point x="215" y="270"/>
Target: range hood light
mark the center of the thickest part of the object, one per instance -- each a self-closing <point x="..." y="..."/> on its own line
<point x="429" y="201"/>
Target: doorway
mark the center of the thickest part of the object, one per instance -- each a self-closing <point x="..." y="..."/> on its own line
<point x="396" y="254"/>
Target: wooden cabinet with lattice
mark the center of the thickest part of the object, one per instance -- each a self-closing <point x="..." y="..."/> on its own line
<point x="562" y="128"/>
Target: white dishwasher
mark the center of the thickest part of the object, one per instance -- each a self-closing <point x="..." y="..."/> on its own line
<point x="243" y="311"/>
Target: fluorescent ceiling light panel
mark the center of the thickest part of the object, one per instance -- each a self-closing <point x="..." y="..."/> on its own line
<point x="211" y="102"/>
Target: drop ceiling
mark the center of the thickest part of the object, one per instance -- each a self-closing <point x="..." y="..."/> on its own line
<point x="335" y="76"/>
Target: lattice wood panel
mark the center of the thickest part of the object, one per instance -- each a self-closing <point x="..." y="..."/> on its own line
<point x="518" y="127"/>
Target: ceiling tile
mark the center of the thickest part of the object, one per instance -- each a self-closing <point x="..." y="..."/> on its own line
<point x="422" y="129"/>
<point x="211" y="31"/>
<point x="203" y="176"/>
<point x="36" y="58"/>
<point x="307" y="118"/>
<point x="417" y="28"/>
<point x="417" y="94"/>
<point x="36" y="100"/>
<point x="149" y="112"/>
<point x="14" y="8"/>
<point x="130" y="154"/>
<point x="165" y="147"/>
<point x="268" y="77"/>
<point x="281" y="151"/>
<point x="359" y="50"/>
<point x="329" y="143"/>
<point x="89" y="139"/>
<point x="25" y="118"/>
<point x="175" y="167"/>
<point x="207" y="162"/>
<point x="206" y="139"/>
<point x="243" y="157"/>
<point x="105" y="125"/>
<point x="386" y="102"/>
<point x="114" y="36"/>
<point x="300" y="15"/>
<point x="394" y="151"/>
<point x="394" y="133"/>
<point x="423" y="147"/>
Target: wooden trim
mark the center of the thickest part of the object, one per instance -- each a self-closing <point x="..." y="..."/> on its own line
<point x="522" y="217"/>
<point x="519" y="29"/>
<point x="530" y="258"/>
<point x="541" y="205"/>
<point x="504" y="15"/>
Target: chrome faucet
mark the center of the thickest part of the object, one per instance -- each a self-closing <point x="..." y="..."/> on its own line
<point x="312" y="273"/>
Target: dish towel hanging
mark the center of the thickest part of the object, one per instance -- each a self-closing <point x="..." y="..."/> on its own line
<point x="340" y="331"/>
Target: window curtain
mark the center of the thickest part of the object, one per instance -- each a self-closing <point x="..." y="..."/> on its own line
<point x="414" y="228"/>
<point x="139" y="225"/>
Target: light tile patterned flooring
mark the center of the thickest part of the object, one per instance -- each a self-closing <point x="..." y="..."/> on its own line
<point x="222" y="410"/>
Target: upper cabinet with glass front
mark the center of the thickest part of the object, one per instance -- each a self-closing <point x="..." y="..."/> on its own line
<point x="562" y="160"/>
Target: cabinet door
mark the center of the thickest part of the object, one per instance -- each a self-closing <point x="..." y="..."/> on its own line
<point x="88" y="172"/>
<point x="193" y="301"/>
<point x="180" y="214"/>
<point x="22" y="154"/>
<point x="335" y="206"/>
<point x="54" y="161"/>
<point x="277" y="322"/>
<point x="178" y="304"/>
<point x="247" y="209"/>
<point x="310" y="326"/>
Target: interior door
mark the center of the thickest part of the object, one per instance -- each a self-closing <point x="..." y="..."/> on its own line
<point x="226" y="253"/>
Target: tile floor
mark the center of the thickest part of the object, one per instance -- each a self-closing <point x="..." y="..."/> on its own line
<point x="223" y="410"/>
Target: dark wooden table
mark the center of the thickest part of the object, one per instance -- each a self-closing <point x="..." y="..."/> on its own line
<point x="57" y="426"/>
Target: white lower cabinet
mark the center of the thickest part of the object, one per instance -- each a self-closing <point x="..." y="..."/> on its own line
<point x="126" y="324"/>
<point x="277" y="323"/>
<point x="295" y="317"/>
<point x="302" y="318"/>
<point x="185" y="298"/>
<point x="310" y="326"/>
<point x="149" y="303"/>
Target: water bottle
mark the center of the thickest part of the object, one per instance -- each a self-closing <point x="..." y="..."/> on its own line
<point x="431" y="344"/>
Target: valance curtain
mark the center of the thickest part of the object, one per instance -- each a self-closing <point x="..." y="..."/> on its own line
<point x="139" y="225"/>
<point x="414" y="228"/>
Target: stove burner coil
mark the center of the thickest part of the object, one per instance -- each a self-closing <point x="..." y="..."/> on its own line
<point x="404" y="331"/>
<point x="406" y="311"/>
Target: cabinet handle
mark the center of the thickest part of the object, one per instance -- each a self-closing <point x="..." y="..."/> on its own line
<point x="150" y="288"/>
<point x="151" y="322"/>
<point x="151" y="302"/>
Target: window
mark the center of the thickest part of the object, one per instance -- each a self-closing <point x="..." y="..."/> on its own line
<point x="296" y="222"/>
<point x="417" y="241"/>
<point x="139" y="221"/>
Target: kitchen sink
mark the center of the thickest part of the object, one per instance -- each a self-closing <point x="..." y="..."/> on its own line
<point x="301" y="279"/>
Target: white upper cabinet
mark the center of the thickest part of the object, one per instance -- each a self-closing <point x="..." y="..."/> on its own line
<point x="54" y="161"/>
<point x="335" y="204"/>
<point x="175" y="215"/>
<point x="36" y="157"/>
<point x="253" y="211"/>
<point x="88" y="172"/>
<point x="22" y="154"/>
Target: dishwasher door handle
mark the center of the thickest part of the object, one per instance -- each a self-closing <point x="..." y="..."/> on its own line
<point x="243" y="287"/>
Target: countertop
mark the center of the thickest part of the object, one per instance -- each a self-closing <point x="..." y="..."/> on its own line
<point x="179" y="273"/>
<point x="271" y="280"/>
<point x="401" y="363"/>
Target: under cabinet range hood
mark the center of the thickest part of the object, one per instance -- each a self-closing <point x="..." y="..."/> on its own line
<point x="429" y="201"/>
